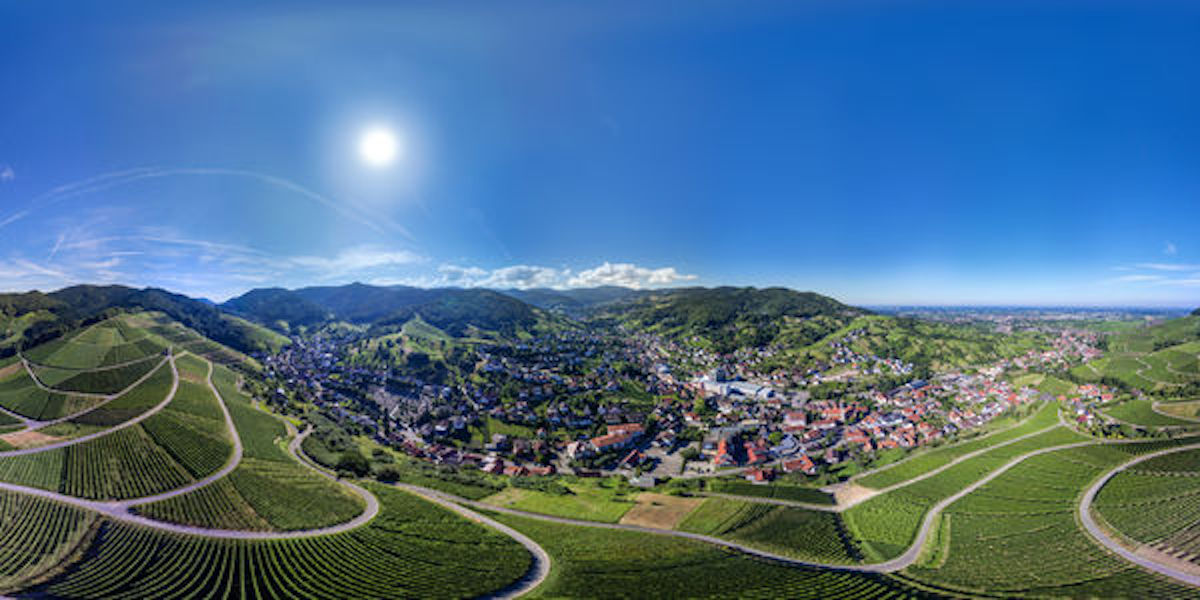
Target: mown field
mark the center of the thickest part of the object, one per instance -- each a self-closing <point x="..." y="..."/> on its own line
<point x="1018" y="535"/>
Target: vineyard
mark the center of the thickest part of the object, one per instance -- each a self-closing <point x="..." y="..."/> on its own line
<point x="1018" y="535"/>
<point x="935" y="458"/>
<point x="412" y="549"/>
<point x="805" y="534"/>
<point x="592" y="562"/>
<point x="1156" y="502"/>
<point x="19" y="394"/>
<point x="888" y="522"/>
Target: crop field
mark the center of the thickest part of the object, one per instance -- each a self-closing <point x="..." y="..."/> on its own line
<point x="780" y="491"/>
<point x="932" y="459"/>
<point x="805" y="534"/>
<point x="412" y="549"/>
<point x="1156" y="502"/>
<point x="19" y="394"/>
<point x="136" y="401"/>
<point x="661" y="511"/>
<point x="887" y="523"/>
<point x="1018" y="535"/>
<point x="1141" y="412"/>
<point x="38" y="536"/>
<point x="590" y="562"/>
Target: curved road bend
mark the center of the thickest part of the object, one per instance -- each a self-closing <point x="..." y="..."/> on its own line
<point x="235" y="458"/>
<point x="123" y="425"/>
<point x="118" y="511"/>
<point x="1089" y="522"/>
<point x="34" y="425"/>
<point x="538" y="571"/>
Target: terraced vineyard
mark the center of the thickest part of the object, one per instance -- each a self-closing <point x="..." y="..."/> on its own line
<point x="887" y="523"/>
<point x="1018" y="534"/>
<point x="1157" y="502"/>
<point x="412" y="549"/>
<point x="592" y="563"/>
<point x="928" y="460"/>
<point x="813" y="535"/>
<point x="1141" y="412"/>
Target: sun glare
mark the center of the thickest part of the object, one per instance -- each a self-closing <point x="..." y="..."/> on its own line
<point x="378" y="147"/>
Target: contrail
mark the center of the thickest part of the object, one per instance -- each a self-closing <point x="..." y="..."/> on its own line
<point x="101" y="182"/>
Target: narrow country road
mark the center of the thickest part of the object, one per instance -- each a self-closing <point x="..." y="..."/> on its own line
<point x="538" y="571"/>
<point x="1098" y="533"/>
<point x="34" y="425"/>
<point x="235" y="458"/>
<point x="123" y="425"/>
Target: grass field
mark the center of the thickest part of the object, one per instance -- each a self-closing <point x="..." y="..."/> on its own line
<point x="586" y="501"/>
<point x="600" y="563"/>
<point x="1141" y="412"/>
<point x="659" y="511"/>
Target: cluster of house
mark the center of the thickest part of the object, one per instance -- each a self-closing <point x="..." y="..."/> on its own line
<point x="1084" y="402"/>
<point x="1068" y="349"/>
<point x="810" y="433"/>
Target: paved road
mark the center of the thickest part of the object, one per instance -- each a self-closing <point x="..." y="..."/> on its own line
<point x="889" y="466"/>
<point x="1089" y="522"/>
<point x="538" y="571"/>
<point x="92" y="436"/>
<point x="235" y="458"/>
<point x="35" y="425"/>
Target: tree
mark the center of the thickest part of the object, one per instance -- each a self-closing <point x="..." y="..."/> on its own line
<point x="352" y="461"/>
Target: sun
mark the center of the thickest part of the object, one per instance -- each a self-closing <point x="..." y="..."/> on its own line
<point x="378" y="146"/>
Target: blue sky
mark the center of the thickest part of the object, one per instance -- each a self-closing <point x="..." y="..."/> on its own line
<point x="880" y="152"/>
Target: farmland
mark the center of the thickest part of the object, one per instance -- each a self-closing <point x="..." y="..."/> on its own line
<point x="412" y="549"/>
<point x="1018" y="535"/>
<point x="1156" y="502"/>
<point x="589" y="562"/>
<point x="818" y="536"/>
<point x="1141" y="412"/>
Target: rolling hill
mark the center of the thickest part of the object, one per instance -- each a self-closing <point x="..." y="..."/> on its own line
<point x="453" y="310"/>
<point x="728" y="318"/>
<point x="43" y="317"/>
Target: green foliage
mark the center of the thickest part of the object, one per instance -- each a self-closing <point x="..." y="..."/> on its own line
<point x="805" y="534"/>
<point x="412" y="549"/>
<point x="38" y="537"/>
<point x="781" y="491"/>
<point x="591" y="562"/>
<point x="353" y="462"/>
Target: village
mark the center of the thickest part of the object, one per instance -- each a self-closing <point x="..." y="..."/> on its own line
<point x="590" y="403"/>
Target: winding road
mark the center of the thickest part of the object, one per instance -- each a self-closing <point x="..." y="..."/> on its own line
<point x="1111" y="544"/>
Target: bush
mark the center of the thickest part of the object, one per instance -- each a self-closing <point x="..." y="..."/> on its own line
<point x="354" y="462"/>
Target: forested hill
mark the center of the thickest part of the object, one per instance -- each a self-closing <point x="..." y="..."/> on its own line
<point x="1196" y="313"/>
<point x="32" y="318"/>
<point x="729" y="318"/>
<point x="453" y="310"/>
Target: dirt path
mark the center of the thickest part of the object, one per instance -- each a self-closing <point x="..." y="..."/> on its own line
<point x="1143" y="560"/>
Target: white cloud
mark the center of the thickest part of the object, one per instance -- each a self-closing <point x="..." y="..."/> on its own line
<point x="533" y="276"/>
<point x="1168" y="267"/>
<point x="1170" y="250"/>
<point x="628" y="275"/>
<point x="358" y="259"/>
<point x="524" y="276"/>
<point x="1141" y="277"/>
<point x="7" y="173"/>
